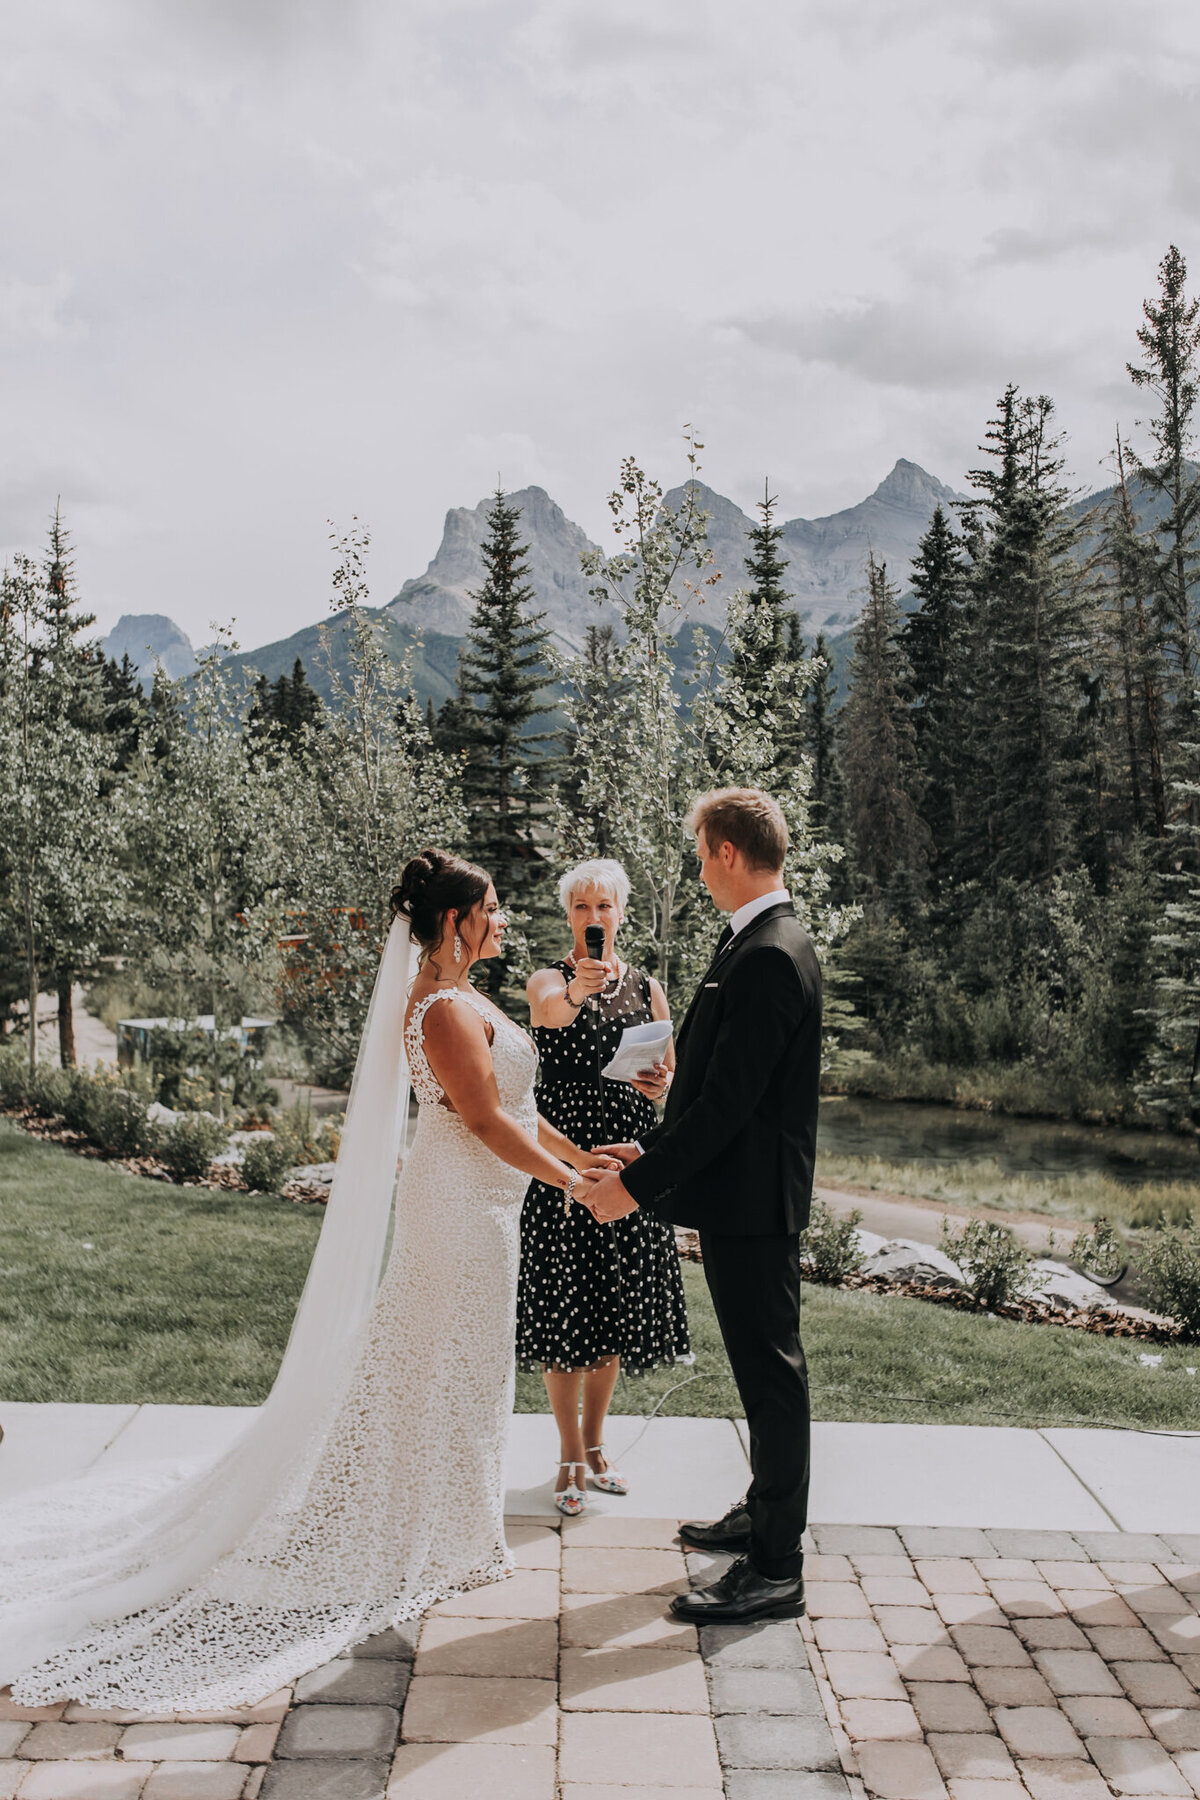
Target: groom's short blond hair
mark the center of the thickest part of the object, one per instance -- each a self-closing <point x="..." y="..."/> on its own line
<point x="746" y="818"/>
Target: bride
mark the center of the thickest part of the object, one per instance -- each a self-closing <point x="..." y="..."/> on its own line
<point x="370" y="1484"/>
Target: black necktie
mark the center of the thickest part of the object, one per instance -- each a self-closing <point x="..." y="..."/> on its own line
<point x="726" y="937"/>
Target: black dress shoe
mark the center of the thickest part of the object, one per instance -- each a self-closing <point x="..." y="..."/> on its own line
<point x="731" y="1533"/>
<point x="741" y="1595"/>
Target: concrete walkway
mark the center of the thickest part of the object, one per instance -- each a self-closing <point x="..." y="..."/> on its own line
<point x="951" y="1475"/>
<point x="993" y="1615"/>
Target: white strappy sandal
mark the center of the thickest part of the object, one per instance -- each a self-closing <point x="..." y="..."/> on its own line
<point x="571" y="1500"/>
<point x="609" y="1481"/>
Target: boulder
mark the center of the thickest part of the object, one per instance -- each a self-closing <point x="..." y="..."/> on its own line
<point x="870" y="1242"/>
<point x="1065" y="1287"/>
<point x="315" y="1174"/>
<point x="902" y="1259"/>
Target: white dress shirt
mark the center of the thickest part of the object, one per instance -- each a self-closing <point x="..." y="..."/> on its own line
<point x="742" y="917"/>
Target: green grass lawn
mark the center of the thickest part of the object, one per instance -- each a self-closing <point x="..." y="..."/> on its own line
<point x="114" y="1288"/>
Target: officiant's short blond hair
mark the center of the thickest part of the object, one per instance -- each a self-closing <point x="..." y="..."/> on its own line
<point x="746" y="818"/>
<point x="602" y="874"/>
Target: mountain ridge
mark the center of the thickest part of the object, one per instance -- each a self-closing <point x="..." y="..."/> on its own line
<point x="826" y="555"/>
<point x="430" y="613"/>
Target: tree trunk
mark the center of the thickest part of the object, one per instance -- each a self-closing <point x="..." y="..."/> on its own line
<point x="1135" y="783"/>
<point x="31" y="984"/>
<point x="1158" y="794"/>
<point x="66" y="1024"/>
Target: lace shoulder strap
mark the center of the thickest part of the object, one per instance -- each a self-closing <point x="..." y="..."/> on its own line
<point x="426" y="1086"/>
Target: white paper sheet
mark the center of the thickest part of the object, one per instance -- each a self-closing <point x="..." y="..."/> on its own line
<point x="641" y="1046"/>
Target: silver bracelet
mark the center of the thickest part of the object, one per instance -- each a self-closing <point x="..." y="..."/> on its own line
<point x="569" y="1192"/>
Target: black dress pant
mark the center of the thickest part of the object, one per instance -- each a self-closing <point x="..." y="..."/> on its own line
<point x="755" y="1287"/>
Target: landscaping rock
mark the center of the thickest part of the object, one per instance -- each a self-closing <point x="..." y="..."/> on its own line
<point x="318" y="1173"/>
<point x="902" y="1259"/>
<point x="1064" y="1287"/>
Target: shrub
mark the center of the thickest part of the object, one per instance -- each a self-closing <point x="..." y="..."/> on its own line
<point x="1170" y="1270"/>
<point x="46" y="1092"/>
<point x="188" y="1147"/>
<point x="1100" y="1253"/>
<point x="313" y="1138"/>
<point x="267" y="1162"/>
<point x="118" y="1120"/>
<point x="175" y="1053"/>
<point x="830" y="1245"/>
<point x="14" y="1078"/>
<point x="111" y="1114"/>
<point x="996" y="1264"/>
<point x="76" y="1107"/>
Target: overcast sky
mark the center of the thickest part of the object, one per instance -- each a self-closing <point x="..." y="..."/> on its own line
<point x="267" y="263"/>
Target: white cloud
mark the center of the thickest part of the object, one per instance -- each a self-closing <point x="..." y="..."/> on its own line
<point x="277" y="263"/>
<point x="36" y="312"/>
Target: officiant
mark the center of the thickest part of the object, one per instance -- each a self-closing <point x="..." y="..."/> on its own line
<point x="594" y="1298"/>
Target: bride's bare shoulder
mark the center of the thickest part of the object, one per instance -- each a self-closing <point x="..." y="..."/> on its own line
<point x="456" y="1023"/>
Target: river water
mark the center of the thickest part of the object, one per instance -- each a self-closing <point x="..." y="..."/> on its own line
<point x="903" y="1131"/>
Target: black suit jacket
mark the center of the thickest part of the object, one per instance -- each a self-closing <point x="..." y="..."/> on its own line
<point x="736" y="1147"/>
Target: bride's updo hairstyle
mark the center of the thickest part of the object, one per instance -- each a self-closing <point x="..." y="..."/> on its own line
<point x="433" y="884"/>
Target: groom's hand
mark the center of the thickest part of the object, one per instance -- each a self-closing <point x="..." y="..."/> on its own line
<point x="622" y="1153"/>
<point x="609" y="1200"/>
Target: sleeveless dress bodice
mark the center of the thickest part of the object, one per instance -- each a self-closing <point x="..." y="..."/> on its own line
<point x="589" y="1291"/>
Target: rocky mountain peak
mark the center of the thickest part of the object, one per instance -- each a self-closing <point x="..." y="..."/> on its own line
<point x="149" y="637"/>
<point x="909" y="485"/>
<point x="440" y="599"/>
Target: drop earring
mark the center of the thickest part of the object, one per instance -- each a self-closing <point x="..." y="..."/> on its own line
<point x="457" y="948"/>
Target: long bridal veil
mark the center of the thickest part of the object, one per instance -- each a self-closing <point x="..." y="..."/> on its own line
<point x="102" y="1567"/>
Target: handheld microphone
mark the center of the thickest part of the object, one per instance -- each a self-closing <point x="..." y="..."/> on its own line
<point x="593" y="937"/>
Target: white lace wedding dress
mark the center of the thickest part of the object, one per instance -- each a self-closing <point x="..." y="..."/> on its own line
<point x="389" y="1499"/>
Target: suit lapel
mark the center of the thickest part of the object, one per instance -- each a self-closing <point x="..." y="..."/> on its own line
<point x="725" y="950"/>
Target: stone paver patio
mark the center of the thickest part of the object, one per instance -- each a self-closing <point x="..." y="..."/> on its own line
<point x="936" y="1663"/>
<point x="1000" y="1615"/>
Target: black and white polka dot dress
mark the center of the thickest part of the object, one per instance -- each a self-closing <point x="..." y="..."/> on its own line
<point x="590" y="1291"/>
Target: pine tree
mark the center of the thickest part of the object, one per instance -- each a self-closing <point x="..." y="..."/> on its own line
<point x="502" y="677"/>
<point x="124" y="709"/>
<point x="880" y="756"/>
<point x="73" y="665"/>
<point x="1023" y="628"/>
<point x="61" y="871"/>
<point x="765" y="568"/>
<point x="827" y="797"/>
<point x="65" y="620"/>
<point x="771" y="657"/>
<point x="931" y="638"/>
<point x="452" y="724"/>
<point x="1128" y="563"/>
<point x="1170" y="337"/>
<point x="1169" y="1087"/>
<point x="282" y="715"/>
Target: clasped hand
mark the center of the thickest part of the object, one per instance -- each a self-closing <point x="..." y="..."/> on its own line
<point x="605" y="1196"/>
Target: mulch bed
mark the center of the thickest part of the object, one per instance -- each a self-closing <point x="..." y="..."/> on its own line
<point x="226" y="1176"/>
<point x="1027" y="1312"/>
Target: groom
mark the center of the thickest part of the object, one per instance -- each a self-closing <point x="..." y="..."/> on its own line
<point x="733" y="1157"/>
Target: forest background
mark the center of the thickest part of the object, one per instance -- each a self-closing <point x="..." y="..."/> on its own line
<point x="996" y="837"/>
